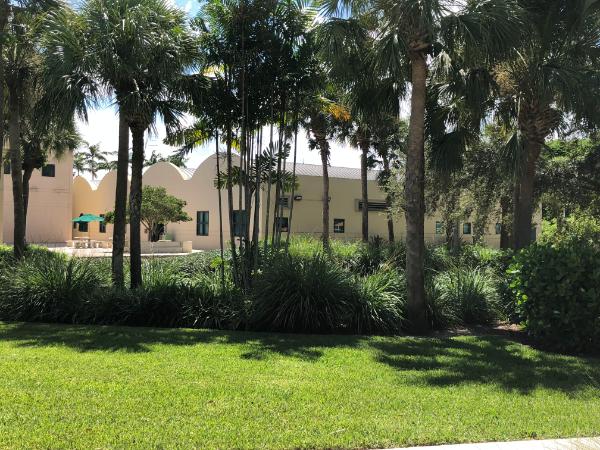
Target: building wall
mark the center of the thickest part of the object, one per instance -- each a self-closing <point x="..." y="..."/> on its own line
<point x="50" y="204"/>
<point x="200" y="195"/>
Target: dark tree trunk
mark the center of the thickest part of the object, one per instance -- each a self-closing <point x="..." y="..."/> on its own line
<point x="324" y="150"/>
<point x="287" y="238"/>
<point x="27" y="172"/>
<point x="120" y="204"/>
<point x="135" y="205"/>
<point x="523" y="207"/>
<point x="221" y="243"/>
<point x="504" y="211"/>
<point x="388" y="198"/>
<point x="3" y="19"/>
<point x="364" y="147"/>
<point x="230" y="207"/>
<point x="16" y="162"/>
<point x="415" y="198"/>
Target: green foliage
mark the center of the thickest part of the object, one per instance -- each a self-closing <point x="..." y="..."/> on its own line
<point x="47" y="287"/>
<point x="466" y="296"/>
<point x="557" y="289"/>
<point x="158" y="207"/>
<point x="380" y="304"/>
<point x="575" y="228"/>
<point x="302" y="294"/>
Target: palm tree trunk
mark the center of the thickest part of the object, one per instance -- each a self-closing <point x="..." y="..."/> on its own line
<point x="523" y="207"/>
<point x="388" y="198"/>
<point x="119" y="225"/>
<point x="504" y="209"/>
<point x="269" y="183"/>
<point x="221" y="243"/>
<point x="27" y="172"/>
<point x="324" y="150"/>
<point x="287" y="238"/>
<point x="135" y="205"/>
<point x="16" y="162"/>
<point x="230" y="206"/>
<point x="415" y="198"/>
<point x="364" y="146"/>
<point x="3" y="20"/>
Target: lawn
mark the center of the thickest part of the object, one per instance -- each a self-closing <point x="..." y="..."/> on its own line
<point x="111" y="387"/>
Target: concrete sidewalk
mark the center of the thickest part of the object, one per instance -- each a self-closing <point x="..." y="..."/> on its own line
<point x="551" y="444"/>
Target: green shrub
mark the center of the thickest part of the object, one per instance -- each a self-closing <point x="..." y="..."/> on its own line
<point x="47" y="287"/>
<point x="380" y="304"/>
<point x="467" y="296"/>
<point x="557" y="288"/>
<point x="302" y="294"/>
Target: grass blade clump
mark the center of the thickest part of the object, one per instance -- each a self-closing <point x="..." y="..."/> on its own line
<point x="47" y="287"/>
<point x="302" y="294"/>
<point x="380" y="303"/>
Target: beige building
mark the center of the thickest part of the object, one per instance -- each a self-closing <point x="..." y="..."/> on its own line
<point x="50" y="203"/>
<point x="198" y="190"/>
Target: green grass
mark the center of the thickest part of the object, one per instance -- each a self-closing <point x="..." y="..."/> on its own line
<point x="111" y="387"/>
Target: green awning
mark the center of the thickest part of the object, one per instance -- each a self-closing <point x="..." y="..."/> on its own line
<point x="88" y="218"/>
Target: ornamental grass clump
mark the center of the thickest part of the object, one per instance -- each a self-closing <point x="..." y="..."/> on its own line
<point x="48" y="287"/>
<point x="303" y="294"/>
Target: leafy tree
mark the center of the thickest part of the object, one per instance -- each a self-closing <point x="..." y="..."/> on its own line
<point x="158" y="209"/>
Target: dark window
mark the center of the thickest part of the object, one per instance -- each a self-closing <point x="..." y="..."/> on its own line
<point x="49" y="170"/>
<point x="102" y="225"/>
<point x="7" y="167"/>
<point x="83" y="227"/>
<point x="202" y="223"/>
<point x="283" y="224"/>
<point x="373" y="205"/>
<point x="498" y="228"/>
<point x="439" y="227"/>
<point x="533" y="234"/>
<point x="467" y="228"/>
<point x="284" y="201"/>
<point x="339" y="225"/>
<point x="74" y="225"/>
<point x="240" y="219"/>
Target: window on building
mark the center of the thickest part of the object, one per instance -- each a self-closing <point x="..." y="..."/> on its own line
<point x="283" y="224"/>
<point x="284" y="202"/>
<point x="498" y="228"/>
<point x="339" y="225"/>
<point x="439" y="227"/>
<point x="373" y="205"/>
<point x="83" y="227"/>
<point x="102" y="225"/>
<point x="467" y="229"/>
<point x="533" y="234"/>
<point x="49" y="170"/>
<point x="240" y="220"/>
<point x="7" y="167"/>
<point x="202" y="223"/>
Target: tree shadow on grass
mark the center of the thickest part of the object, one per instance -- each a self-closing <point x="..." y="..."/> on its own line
<point x="494" y="360"/>
<point x="86" y="338"/>
<point x="435" y="361"/>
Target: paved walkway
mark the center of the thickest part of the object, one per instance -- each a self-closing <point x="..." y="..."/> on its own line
<point x="552" y="444"/>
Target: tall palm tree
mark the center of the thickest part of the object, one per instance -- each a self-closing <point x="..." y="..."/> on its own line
<point x="347" y="46"/>
<point x="552" y="76"/>
<point x="410" y="34"/>
<point x="134" y="52"/>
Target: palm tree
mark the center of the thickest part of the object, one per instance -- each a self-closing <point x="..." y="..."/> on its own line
<point x="93" y="159"/>
<point x="135" y="52"/>
<point x="347" y="46"/>
<point x="410" y="34"/>
<point x="322" y="118"/>
<point x="551" y="76"/>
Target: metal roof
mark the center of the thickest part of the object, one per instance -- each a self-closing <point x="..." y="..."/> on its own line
<point x="316" y="170"/>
